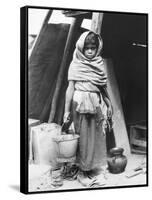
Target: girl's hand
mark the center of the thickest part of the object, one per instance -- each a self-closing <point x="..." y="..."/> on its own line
<point x="66" y="117"/>
<point x="109" y="107"/>
<point x="103" y="123"/>
<point x="109" y="111"/>
<point x="106" y="125"/>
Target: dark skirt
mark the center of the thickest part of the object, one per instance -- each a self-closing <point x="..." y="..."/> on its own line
<point x="91" y="152"/>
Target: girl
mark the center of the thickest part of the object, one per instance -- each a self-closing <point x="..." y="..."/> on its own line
<point x="88" y="103"/>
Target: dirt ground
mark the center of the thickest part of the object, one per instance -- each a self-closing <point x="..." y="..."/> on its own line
<point x="40" y="179"/>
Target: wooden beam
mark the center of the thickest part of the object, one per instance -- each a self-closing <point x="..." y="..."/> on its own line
<point x="40" y="35"/>
<point x="71" y="13"/>
<point x="96" y="23"/>
<point x="119" y="128"/>
<point x="63" y="68"/>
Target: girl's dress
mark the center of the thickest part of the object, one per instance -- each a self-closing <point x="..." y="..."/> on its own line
<point x="88" y="106"/>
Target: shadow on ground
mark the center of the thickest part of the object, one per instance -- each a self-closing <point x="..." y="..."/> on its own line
<point x="15" y="187"/>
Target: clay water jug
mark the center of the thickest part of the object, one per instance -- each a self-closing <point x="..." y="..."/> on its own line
<point x="117" y="161"/>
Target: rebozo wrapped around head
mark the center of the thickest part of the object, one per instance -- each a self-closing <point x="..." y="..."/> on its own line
<point x="84" y="69"/>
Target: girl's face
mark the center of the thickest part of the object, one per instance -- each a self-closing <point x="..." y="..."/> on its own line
<point x="90" y="51"/>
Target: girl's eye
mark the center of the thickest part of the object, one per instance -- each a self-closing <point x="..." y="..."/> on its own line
<point x="92" y="48"/>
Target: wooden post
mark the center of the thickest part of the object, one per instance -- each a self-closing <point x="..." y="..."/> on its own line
<point x="96" y="23"/>
<point x="73" y="28"/>
<point x="119" y="129"/>
<point x="40" y="35"/>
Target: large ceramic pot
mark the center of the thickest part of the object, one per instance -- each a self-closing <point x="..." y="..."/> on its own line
<point x="117" y="161"/>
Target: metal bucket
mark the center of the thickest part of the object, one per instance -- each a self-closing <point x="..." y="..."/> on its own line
<point x="67" y="145"/>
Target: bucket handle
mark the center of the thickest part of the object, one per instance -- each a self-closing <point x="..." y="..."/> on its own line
<point x="73" y="133"/>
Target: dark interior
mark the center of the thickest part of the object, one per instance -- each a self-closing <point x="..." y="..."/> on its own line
<point x="119" y="32"/>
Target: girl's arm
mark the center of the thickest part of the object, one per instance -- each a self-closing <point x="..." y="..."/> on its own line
<point x="68" y="99"/>
<point x="107" y="100"/>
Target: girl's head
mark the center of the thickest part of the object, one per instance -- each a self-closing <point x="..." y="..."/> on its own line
<point x="88" y="46"/>
<point x="91" y="44"/>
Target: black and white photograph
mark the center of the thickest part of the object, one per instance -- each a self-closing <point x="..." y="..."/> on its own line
<point x="85" y="81"/>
